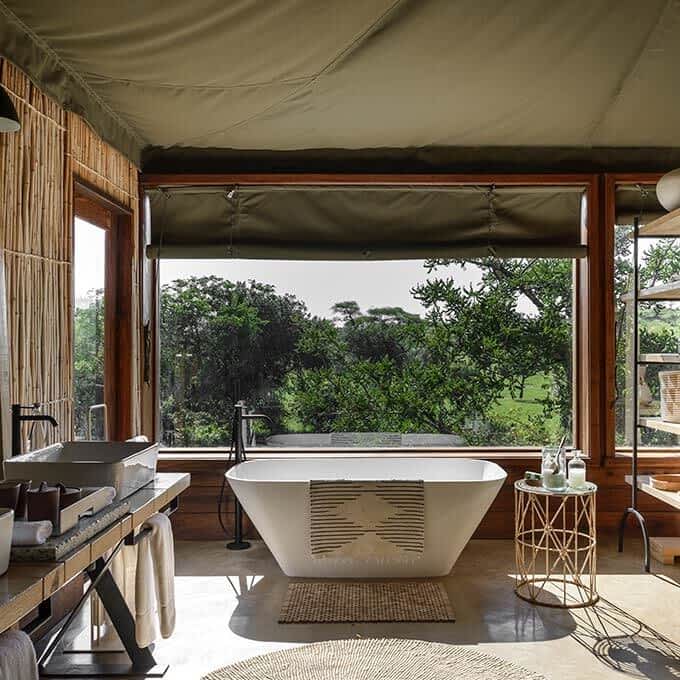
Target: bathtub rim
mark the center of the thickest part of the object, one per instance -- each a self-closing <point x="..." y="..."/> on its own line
<point x="500" y="473"/>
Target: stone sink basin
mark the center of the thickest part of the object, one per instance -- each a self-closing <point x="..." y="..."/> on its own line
<point x="126" y="466"/>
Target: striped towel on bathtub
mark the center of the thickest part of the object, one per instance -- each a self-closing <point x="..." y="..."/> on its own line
<point x="367" y="519"/>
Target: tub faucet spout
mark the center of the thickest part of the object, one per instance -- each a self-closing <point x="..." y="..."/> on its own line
<point x="238" y="428"/>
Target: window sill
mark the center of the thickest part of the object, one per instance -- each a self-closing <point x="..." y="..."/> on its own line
<point x="220" y="454"/>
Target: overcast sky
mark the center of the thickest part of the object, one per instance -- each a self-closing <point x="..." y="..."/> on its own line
<point x="319" y="284"/>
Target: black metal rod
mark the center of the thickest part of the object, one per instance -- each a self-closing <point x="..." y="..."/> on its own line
<point x="643" y="528"/>
<point x="633" y="510"/>
<point x="121" y="617"/>
<point x="636" y="356"/>
<point x="16" y="430"/>
<point x="54" y="643"/>
<point x="239" y="423"/>
<point x="134" y="538"/>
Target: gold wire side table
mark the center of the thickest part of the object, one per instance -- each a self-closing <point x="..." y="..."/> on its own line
<point x="556" y="546"/>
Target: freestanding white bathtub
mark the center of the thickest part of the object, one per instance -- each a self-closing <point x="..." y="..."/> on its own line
<point x="275" y="495"/>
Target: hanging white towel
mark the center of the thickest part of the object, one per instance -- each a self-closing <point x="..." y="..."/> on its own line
<point x="146" y="619"/>
<point x="163" y="556"/>
<point x="17" y="657"/>
<point x="155" y="582"/>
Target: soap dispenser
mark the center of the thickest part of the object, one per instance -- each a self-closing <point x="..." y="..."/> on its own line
<point x="576" y="471"/>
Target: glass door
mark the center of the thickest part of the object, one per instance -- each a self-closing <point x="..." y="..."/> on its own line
<point x="89" y="330"/>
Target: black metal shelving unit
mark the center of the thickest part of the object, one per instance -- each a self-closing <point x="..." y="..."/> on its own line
<point x="667" y="226"/>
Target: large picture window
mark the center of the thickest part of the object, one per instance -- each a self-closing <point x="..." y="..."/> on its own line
<point x="659" y="321"/>
<point x="434" y="353"/>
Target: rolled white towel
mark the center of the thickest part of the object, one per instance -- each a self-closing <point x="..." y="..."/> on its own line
<point x="17" y="657"/>
<point x="31" y="533"/>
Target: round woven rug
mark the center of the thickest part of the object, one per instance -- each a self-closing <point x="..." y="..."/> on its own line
<point x="374" y="659"/>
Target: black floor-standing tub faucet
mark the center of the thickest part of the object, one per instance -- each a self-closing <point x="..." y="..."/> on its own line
<point x="239" y="424"/>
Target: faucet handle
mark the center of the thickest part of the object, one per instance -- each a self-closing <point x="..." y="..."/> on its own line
<point x="35" y="406"/>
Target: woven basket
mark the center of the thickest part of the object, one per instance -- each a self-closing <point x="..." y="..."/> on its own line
<point x="670" y="396"/>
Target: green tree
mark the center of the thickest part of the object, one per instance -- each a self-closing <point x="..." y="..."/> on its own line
<point x="388" y="370"/>
<point x="221" y="342"/>
<point x="88" y="360"/>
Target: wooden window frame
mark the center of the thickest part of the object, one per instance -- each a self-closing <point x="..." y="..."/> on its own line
<point x="589" y="432"/>
<point x="90" y="204"/>
<point x="651" y="456"/>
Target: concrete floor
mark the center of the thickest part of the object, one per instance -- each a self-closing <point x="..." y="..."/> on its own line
<point x="228" y="605"/>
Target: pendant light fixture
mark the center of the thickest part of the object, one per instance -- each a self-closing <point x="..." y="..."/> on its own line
<point x="9" y="121"/>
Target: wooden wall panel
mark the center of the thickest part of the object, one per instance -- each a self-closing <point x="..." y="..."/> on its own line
<point x="36" y="242"/>
<point x="38" y="166"/>
<point x="197" y="516"/>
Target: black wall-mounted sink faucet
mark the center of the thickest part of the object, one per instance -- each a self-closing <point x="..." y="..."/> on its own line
<point x="19" y="417"/>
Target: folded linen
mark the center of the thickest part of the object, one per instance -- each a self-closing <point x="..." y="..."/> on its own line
<point x="17" y="657"/>
<point x="31" y="533"/>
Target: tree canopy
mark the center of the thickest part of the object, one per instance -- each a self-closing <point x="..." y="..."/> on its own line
<point x="489" y="360"/>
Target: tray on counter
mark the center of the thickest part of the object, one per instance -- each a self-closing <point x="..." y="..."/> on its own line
<point x="93" y="500"/>
<point x="57" y="547"/>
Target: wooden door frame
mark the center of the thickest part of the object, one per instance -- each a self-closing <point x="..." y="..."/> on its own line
<point x="611" y="180"/>
<point x="116" y="219"/>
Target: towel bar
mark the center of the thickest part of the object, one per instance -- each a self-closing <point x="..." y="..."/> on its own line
<point x="134" y="538"/>
<point x="142" y="661"/>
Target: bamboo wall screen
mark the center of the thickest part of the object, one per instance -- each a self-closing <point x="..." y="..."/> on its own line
<point x="37" y="169"/>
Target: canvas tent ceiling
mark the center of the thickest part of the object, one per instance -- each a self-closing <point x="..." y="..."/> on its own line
<point x="163" y="79"/>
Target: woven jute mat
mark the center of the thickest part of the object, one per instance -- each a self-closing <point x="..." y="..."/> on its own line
<point x="365" y="602"/>
<point x="375" y="659"/>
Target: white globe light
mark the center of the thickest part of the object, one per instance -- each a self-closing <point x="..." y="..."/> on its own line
<point x="668" y="190"/>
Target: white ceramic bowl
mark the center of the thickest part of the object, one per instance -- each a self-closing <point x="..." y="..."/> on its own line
<point x="668" y="190"/>
<point x="6" y="527"/>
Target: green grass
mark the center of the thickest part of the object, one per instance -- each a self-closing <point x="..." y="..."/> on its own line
<point x="535" y="390"/>
<point x="530" y="405"/>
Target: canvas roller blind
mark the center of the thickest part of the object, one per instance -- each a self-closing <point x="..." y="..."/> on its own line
<point x="637" y="200"/>
<point x="365" y="222"/>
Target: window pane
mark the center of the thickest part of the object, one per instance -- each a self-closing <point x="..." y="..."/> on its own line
<point x="659" y="332"/>
<point x="89" y="265"/>
<point x="402" y="353"/>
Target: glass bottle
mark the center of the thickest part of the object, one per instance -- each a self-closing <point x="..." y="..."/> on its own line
<point x="577" y="471"/>
<point x="553" y="469"/>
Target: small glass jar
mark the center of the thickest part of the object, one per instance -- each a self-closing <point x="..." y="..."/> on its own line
<point x="553" y="468"/>
<point x="577" y="471"/>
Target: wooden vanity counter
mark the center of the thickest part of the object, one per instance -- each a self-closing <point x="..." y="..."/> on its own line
<point x="26" y="585"/>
